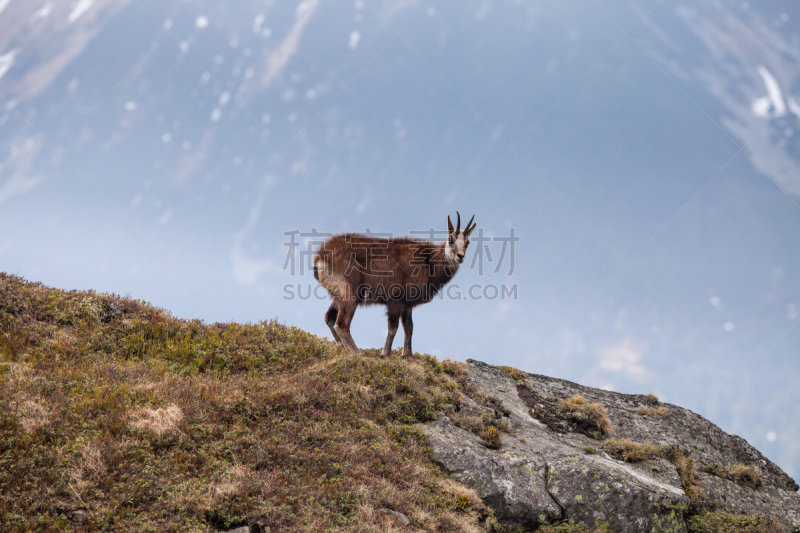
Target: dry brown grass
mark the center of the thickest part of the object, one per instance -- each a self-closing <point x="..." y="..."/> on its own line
<point x="740" y="473"/>
<point x="573" y="404"/>
<point x="687" y="472"/>
<point x="593" y="412"/>
<point x="231" y="484"/>
<point x="63" y="338"/>
<point x="633" y="452"/>
<point x="88" y="465"/>
<point x="32" y="414"/>
<point x="650" y="411"/>
<point x="487" y="426"/>
<point x="746" y="473"/>
<point x="515" y="374"/>
<point x="456" y="369"/>
<point x="159" y="421"/>
<point x="652" y="397"/>
<point x="138" y="421"/>
<point x="492" y="438"/>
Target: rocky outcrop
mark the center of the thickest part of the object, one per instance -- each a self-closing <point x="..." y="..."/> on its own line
<point x="551" y="466"/>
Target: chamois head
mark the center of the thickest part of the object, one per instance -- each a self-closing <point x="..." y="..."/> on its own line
<point x="455" y="249"/>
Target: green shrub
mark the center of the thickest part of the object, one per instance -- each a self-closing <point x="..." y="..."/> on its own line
<point x="721" y="522"/>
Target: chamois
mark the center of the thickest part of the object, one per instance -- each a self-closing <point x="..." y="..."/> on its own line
<point x="400" y="273"/>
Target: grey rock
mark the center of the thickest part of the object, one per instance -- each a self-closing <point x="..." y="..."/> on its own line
<point x="734" y="498"/>
<point x="594" y="490"/>
<point x="403" y="519"/>
<point x="545" y="471"/>
<point x="243" y="529"/>
<point x="261" y="525"/>
<point x="513" y="483"/>
<point x="472" y="408"/>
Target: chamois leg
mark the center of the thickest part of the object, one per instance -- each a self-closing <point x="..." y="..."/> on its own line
<point x="347" y="308"/>
<point x="394" y="319"/>
<point x="408" y="329"/>
<point x="330" y="319"/>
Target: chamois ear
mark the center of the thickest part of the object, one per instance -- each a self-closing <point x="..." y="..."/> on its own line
<point x="470" y="228"/>
<point x="450" y="228"/>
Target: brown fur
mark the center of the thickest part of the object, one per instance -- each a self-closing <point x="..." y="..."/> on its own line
<point x="399" y="273"/>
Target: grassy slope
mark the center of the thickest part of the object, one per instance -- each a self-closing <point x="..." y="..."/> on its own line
<point x="116" y="416"/>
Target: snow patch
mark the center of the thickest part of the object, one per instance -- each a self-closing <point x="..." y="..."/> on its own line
<point x="6" y="62"/>
<point x="760" y="107"/>
<point x="280" y="57"/>
<point x="304" y="6"/>
<point x="774" y="99"/>
<point x="80" y="8"/>
<point x="258" y="22"/>
<point x="43" y="11"/>
<point x="355" y="36"/>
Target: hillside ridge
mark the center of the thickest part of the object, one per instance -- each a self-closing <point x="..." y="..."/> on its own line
<point x="117" y="416"/>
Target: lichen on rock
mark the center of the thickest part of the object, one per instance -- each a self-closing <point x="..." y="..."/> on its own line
<point x="551" y="469"/>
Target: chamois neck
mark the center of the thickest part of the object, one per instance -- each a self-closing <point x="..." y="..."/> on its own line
<point x="449" y="258"/>
<point x="446" y="266"/>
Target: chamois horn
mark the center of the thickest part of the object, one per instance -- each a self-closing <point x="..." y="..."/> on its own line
<point x="469" y="223"/>
<point x="458" y="225"/>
